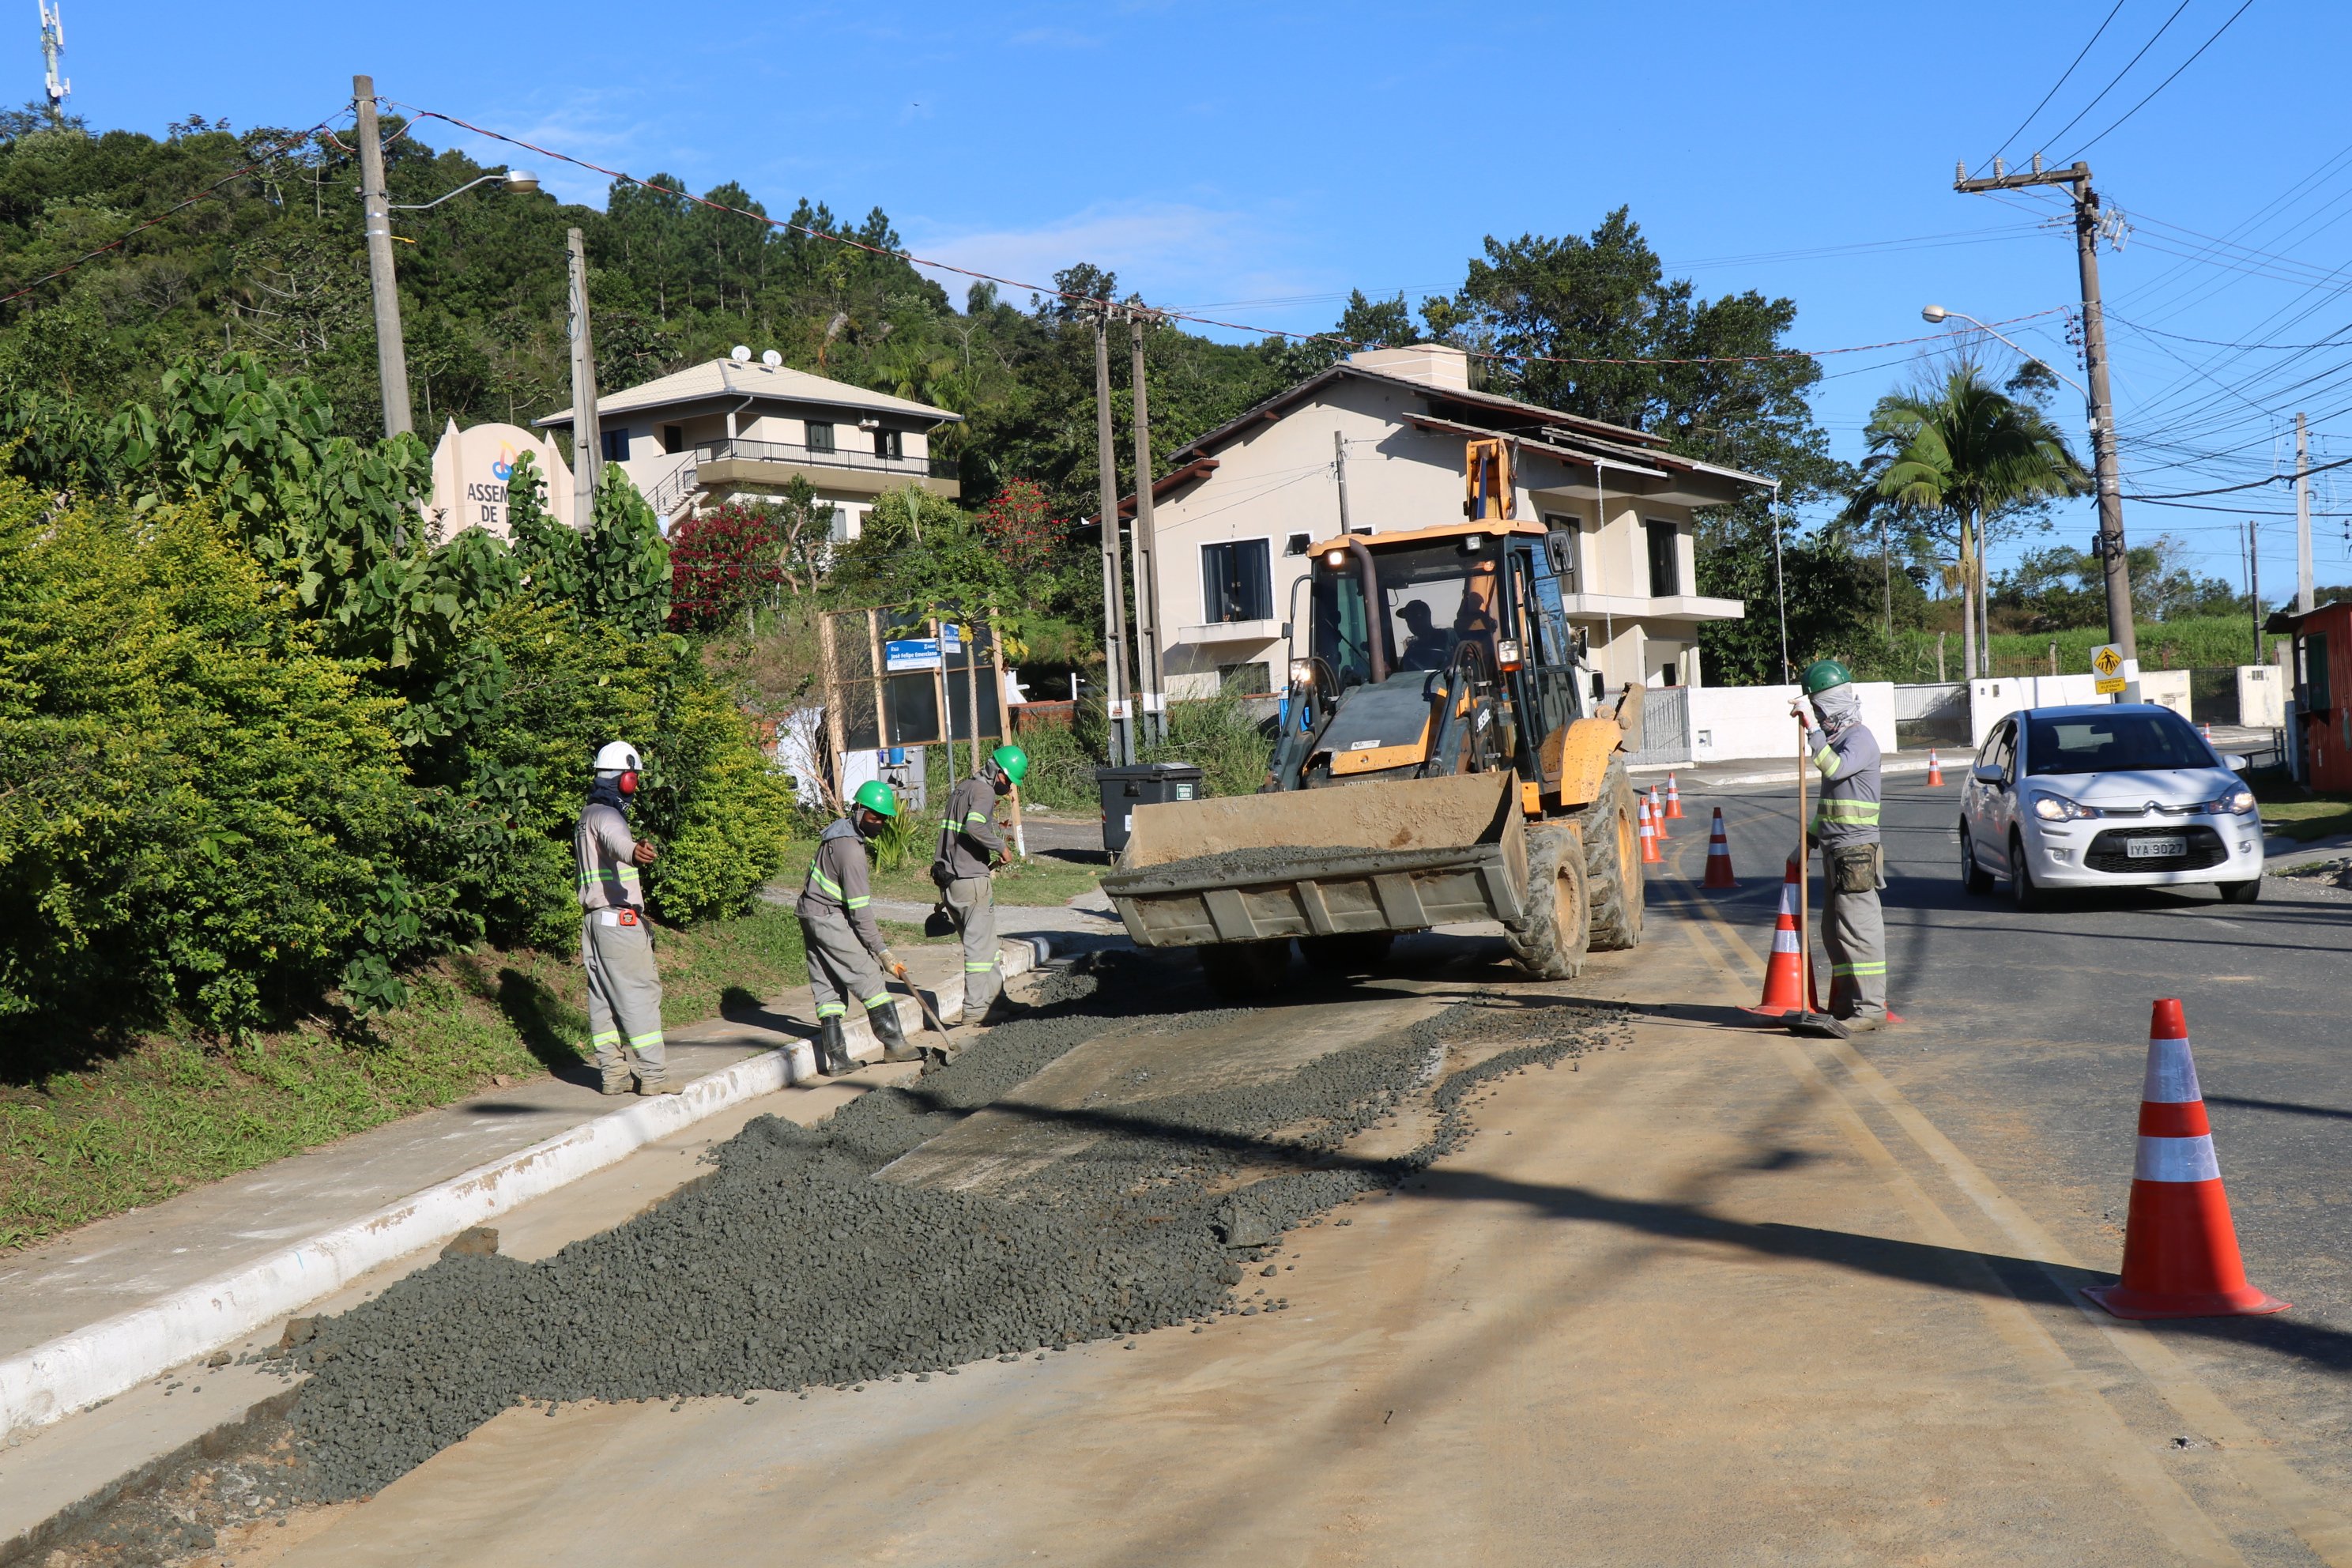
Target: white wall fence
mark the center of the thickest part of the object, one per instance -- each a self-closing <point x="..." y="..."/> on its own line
<point x="1728" y="723"/>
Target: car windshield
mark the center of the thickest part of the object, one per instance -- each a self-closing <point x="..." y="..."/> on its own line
<point x="2127" y="743"/>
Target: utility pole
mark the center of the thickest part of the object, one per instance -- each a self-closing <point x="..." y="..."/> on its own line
<point x="2106" y="466"/>
<point x="2255" y="581"/>
<point x="2302" y="518"/>
<point x="1339" y="467"/>
<point x="1122" y="734"/>
<point x="1152" y="707"/>
<point x="390" y="356"/>
<point x="587" y="435"/>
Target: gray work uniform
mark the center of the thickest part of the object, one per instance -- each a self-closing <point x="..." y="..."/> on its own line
<point x="969" y="844"/>
<point x="837" y="930"/>
<point x="616" y="948"/>
<point x="1845" y="825"/>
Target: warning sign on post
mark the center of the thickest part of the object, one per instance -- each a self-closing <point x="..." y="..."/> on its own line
<point x="2107" y="667"/>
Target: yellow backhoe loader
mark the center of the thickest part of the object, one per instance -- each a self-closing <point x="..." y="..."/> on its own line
<point x="1438" y="762"/>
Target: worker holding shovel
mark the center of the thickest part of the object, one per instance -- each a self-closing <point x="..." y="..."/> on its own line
<point x="1845" y="825"/>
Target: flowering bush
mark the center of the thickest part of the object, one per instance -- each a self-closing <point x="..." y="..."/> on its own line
<point x="1018" y="522"/>
<point x="722" y="562"/>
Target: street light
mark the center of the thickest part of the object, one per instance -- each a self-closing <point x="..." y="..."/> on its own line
<point x="1935" y="315"/>
<point x="520" y="182"/>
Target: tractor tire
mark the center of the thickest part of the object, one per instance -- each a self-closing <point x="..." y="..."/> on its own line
<point x="1350" y="952"/>
<point x="1549" y="943"/>
<point x="1237" y="971"/>
<point x="1612" y="862"/>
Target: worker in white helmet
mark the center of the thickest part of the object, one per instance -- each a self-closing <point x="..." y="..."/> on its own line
<point x="624" y="994"/>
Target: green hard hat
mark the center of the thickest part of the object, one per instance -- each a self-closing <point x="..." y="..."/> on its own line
<point x="877" y="797"/>
<point x="1824" y="673"/>
<point x="1012" y="760"/>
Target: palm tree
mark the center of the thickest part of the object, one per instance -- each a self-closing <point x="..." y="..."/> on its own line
<point x="1969" y="454"/>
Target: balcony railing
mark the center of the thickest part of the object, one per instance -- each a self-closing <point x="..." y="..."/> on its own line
<point x="825" y="457"/>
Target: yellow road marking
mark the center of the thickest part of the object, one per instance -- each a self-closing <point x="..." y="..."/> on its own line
<point x="2249" y="1456"/>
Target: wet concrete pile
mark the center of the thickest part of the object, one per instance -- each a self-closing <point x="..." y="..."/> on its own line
<point x="790" y="1266"/>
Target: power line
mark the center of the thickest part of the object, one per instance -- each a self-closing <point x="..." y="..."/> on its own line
<point x="911" y="259"/>
<point x="2055" y="86"/>
<point x="2183" y="66"/>
<point x="2119" y="78"/>
<point x="2249" y="484"/>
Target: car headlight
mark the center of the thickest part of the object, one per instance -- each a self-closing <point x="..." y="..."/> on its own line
<point x="1302" y="672"/>
<point x="2237" y="802"/>
<point x="2058" y="808"/>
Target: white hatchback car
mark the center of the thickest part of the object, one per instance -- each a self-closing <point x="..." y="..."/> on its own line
<point x="2110" y="795"/>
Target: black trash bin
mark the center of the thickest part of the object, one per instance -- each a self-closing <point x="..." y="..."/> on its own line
<point x="1146" y="783"/>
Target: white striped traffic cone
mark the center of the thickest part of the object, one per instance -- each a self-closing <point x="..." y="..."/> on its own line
<point x="2180" y="1251"/>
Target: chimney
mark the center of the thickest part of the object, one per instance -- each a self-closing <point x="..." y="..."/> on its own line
<point x="1433" y="365"/>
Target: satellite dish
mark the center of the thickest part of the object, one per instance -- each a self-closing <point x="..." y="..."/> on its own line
<point x="771" y="359"/>
<point x="740" y="353"/>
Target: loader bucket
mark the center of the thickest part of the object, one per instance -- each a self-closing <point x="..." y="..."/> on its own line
<point x="1400" y="855"/>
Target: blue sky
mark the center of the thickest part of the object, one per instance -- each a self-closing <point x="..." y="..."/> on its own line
<point x="1255" y="162"/>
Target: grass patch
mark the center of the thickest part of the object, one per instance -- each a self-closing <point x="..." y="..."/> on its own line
<point x="2306" y="817"/>
<point x="170" y="1112"/>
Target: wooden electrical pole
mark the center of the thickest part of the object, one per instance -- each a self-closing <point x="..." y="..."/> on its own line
<point x="2303" y="589"/>
<point x="390" y="354"/>
<point x="1150" y="708"/>
<point x="1122" y="734"/>
<point x="587" y="435"/>
<point x="2107" y="469"/>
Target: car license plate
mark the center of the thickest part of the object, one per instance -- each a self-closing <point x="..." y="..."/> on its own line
<point x="2170" y="847"/>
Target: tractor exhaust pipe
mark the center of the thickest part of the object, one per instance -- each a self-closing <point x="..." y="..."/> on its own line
<point x="1376" y="634"/>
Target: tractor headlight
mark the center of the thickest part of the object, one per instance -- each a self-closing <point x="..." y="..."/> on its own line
<point x="1302" y="672"/>
<point x="2237" y="802"/>
<point x="2058" y="808"/>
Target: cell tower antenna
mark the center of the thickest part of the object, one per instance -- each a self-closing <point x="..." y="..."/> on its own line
<point x="53" y="44"/>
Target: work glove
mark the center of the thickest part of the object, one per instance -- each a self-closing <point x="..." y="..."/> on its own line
<point x="890" y="962"/>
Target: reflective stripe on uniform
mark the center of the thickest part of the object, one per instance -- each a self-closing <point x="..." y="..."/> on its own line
<point x="605" y="1039"/>
<point x="978" y="968"/>
<point x="831" y="1010"/>
<point x="881" y="1001"/>
<point x="859" y="902"/>
<point x="1836" y="969"/>
<point x="824" y="884"/>
<point x="1827" y="760"/>
<point x="639" y="1042"/>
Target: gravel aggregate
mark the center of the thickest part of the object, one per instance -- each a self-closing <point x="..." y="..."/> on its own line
<point x="788" y="1268"/>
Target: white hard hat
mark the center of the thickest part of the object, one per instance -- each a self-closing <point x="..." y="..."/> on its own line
<point x="618" y="757"/>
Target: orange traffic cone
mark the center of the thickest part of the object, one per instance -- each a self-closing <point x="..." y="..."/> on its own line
<point x="1784" y="991"/>
<point x="2180" y="1251"/>
<point x="2206" y="729"/>
<point x="1718" y="856"/>
<point x="1650" y="855"/>
<point x="1657" y="814"/>
<point x="1935" y="770"/>
<point x="1673" y="799"/>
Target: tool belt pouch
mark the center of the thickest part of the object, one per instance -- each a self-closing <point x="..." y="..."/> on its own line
<point x="1854" y="868"/>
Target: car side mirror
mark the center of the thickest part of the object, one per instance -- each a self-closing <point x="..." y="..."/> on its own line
<point x="1986" y="773"/>
<point x="2236" y="764"/>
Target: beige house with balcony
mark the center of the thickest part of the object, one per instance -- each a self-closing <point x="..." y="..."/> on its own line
<point x="1237" y="510"/>
<point x="736" y="427"/>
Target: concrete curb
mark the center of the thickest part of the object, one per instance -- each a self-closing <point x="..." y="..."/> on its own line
<point x="75" y="1371"/>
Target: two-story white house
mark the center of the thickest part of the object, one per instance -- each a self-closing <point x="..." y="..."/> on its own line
<point x="743" y="427"/>
<point x="1237" y="510"/>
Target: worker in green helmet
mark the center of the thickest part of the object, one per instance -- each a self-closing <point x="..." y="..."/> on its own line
<point x="1845" y="825"/>
<point x="846" y="957"/>
<point x="971" y="849"/>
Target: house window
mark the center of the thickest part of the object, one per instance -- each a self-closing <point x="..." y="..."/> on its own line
<point x="616" y="446"/>
<point x="672" y="437"/>
<point x="1295" y="544"/>
<point x="1665" y="561"/>
<point x="1252" y="679"/>
<point x="1236" y="582"/>
<point x="889" y="444"/>
<point x="820" y="436"/>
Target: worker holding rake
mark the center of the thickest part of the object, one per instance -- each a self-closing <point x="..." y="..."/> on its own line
<point x="1845" y="825"/>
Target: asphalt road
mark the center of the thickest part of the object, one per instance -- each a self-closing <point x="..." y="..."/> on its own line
<point x="2026" y="1037"/>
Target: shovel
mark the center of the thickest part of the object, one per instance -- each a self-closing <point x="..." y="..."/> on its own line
<point x="1801" y="1020"/>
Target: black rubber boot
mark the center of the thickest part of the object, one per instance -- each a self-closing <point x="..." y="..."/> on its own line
<point x="884" y="1021"/>
<point x="833" y="1057"/>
